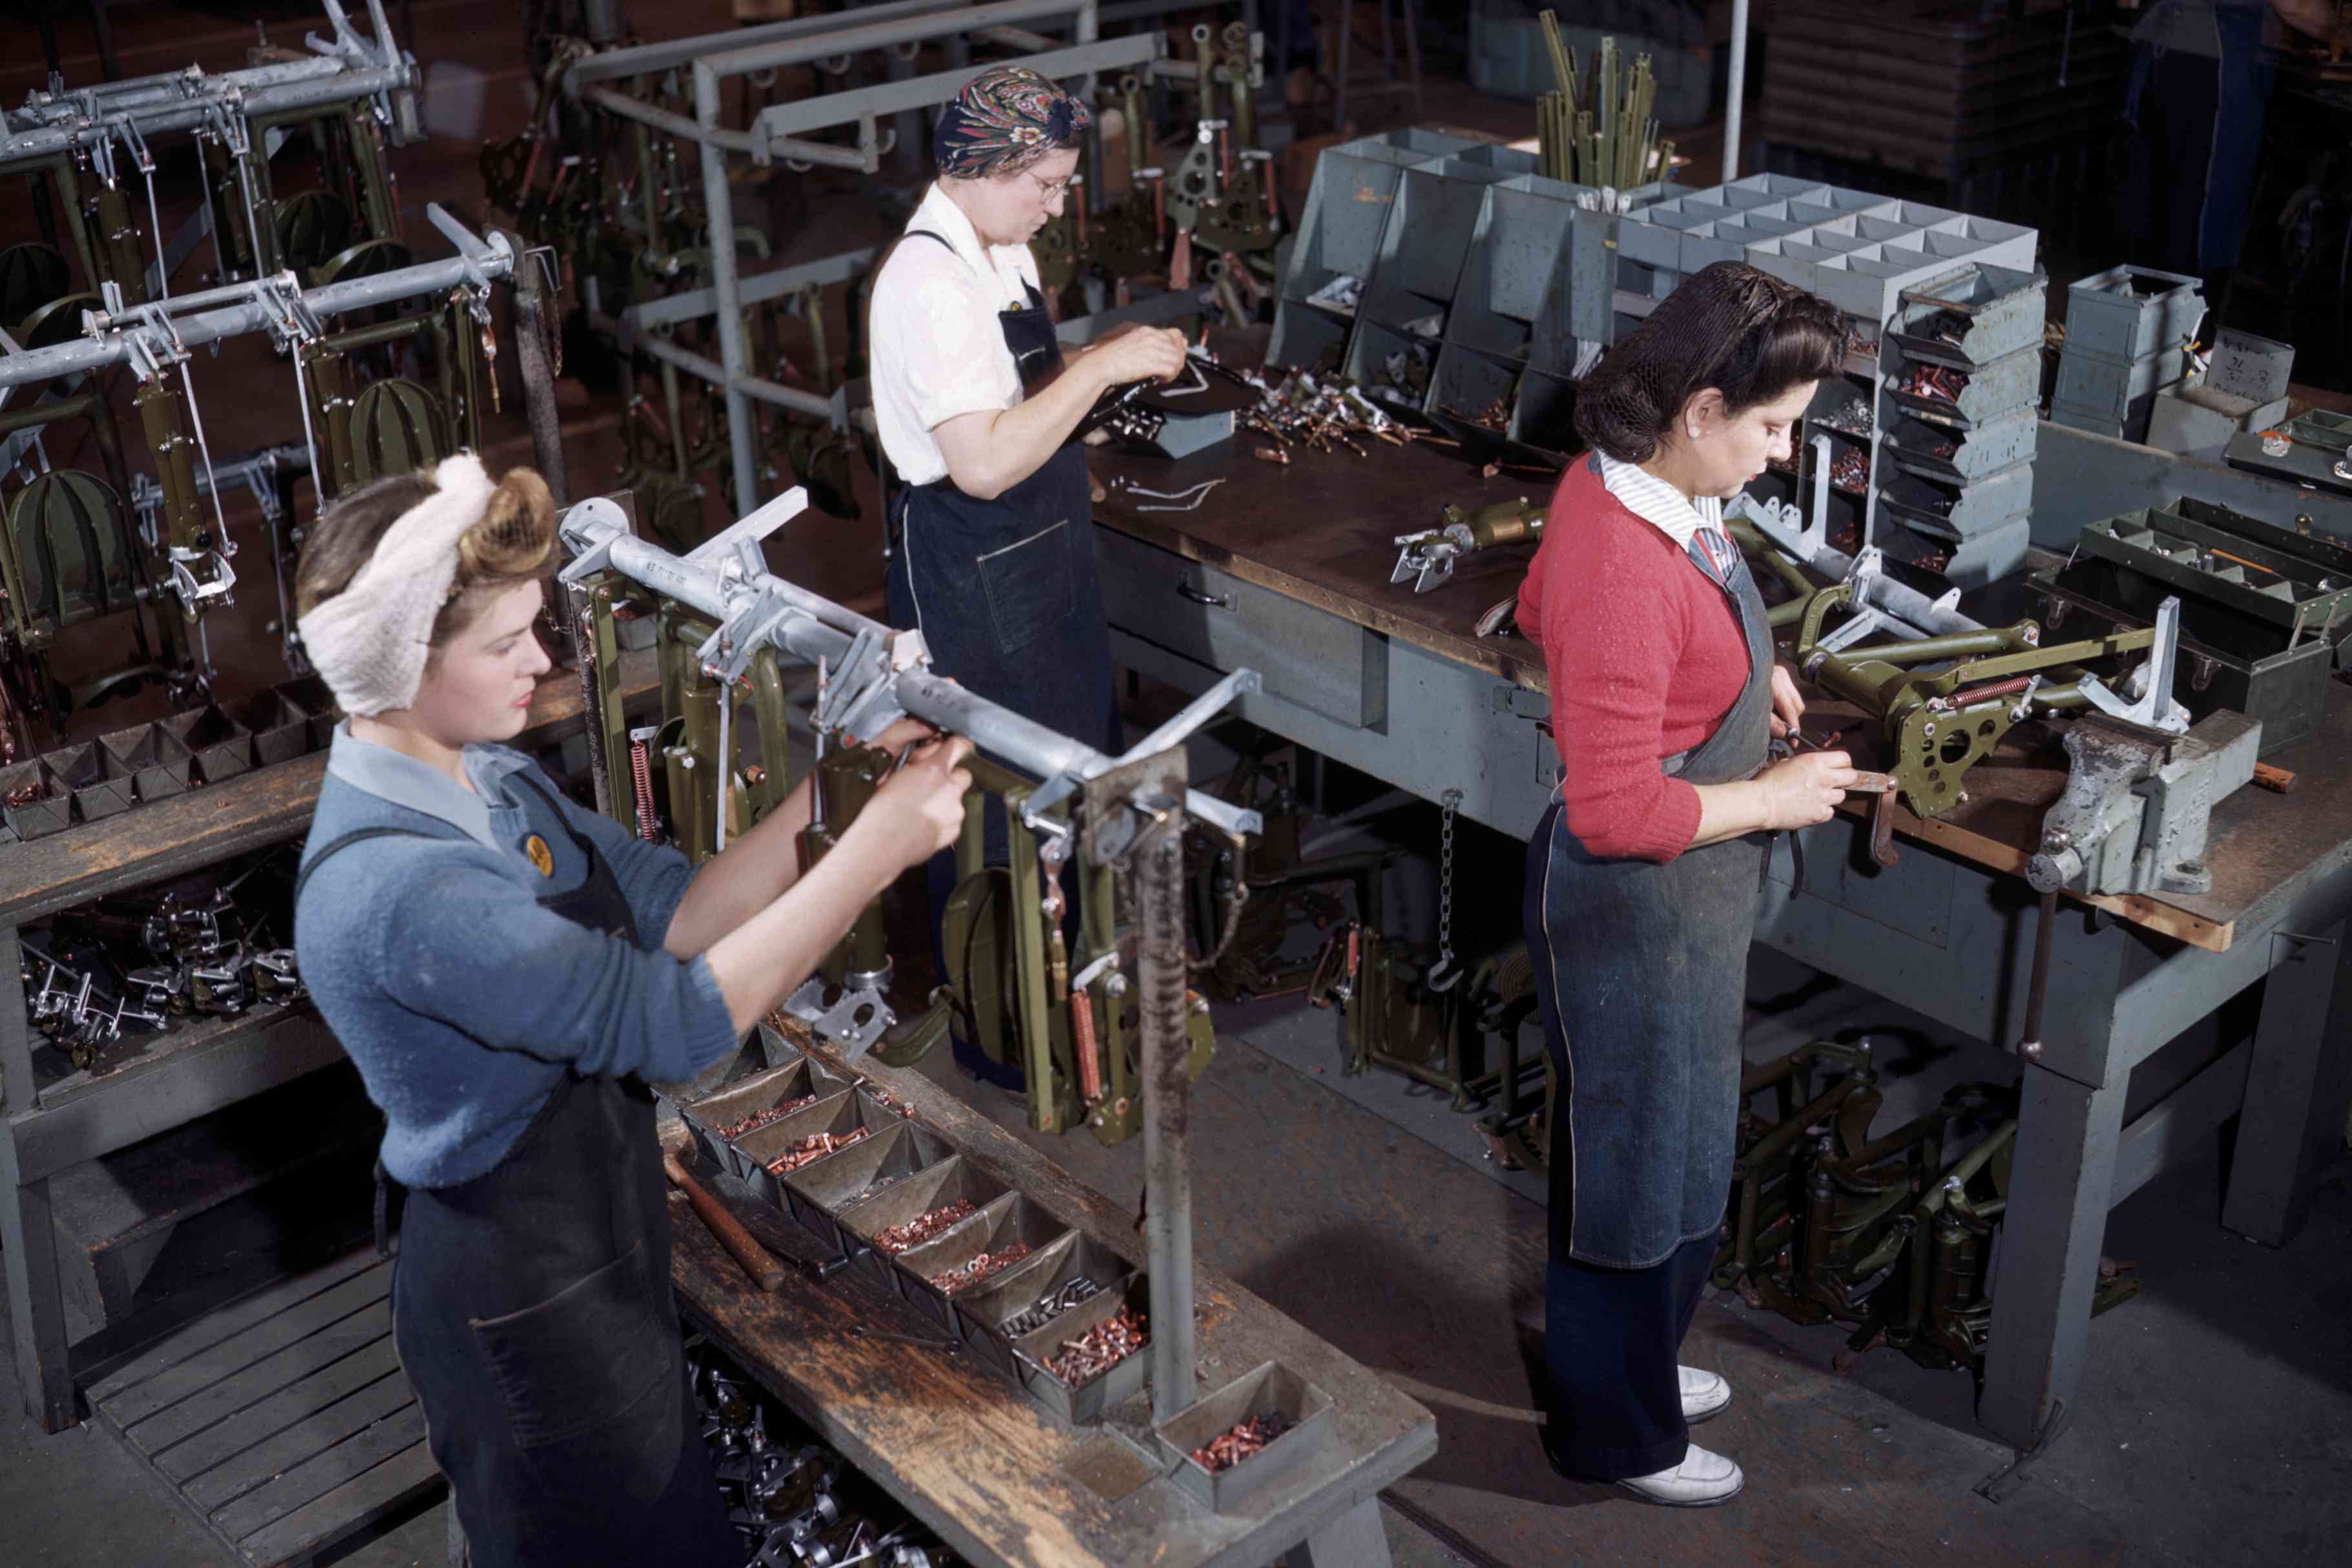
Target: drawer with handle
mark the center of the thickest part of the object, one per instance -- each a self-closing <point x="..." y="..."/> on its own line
<point x="1306" y="655"/>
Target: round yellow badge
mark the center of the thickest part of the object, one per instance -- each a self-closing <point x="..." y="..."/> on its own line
<point x="535" y="848"/>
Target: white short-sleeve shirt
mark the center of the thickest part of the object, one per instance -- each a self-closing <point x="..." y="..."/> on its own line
<point x="938" y="349"/>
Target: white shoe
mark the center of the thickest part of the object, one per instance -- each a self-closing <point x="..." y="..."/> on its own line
<point x="1701" y="1480"/>
<point x="1705" y="1394"/>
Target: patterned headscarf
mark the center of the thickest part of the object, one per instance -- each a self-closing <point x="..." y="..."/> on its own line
<point x="1003" y="120"/>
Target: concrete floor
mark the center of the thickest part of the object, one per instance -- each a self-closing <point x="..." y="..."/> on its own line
<point x="2207" y="1430"/>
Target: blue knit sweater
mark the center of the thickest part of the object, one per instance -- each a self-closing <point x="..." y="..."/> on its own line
<point x="463" y="1001"/>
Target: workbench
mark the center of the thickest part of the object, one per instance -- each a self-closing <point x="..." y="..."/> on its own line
<point x="1285" y="568"/>
<point x="168" y="1079"/>
<point x="966" y="1453"/>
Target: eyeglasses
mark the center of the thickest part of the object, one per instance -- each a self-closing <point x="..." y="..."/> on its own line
<point x="1053" y="188"/>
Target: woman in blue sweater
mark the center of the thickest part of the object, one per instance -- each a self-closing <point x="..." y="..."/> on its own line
<point x="509" y="971"/>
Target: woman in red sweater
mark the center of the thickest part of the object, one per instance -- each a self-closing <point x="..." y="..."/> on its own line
<point x="1642" y="878"/>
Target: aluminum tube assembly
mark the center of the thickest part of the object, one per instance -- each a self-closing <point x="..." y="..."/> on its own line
<point x="340" y="86"/>
<point x="878" y="672"/>
<point x="478" y="261"/>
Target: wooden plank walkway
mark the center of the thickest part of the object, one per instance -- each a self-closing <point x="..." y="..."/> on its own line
<point x="283" y="1420"/>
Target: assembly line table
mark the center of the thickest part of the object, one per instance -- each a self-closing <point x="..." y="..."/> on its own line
<point x="1285" y="569"/>
<point x="965" y="1451"/>
<point x="168" y="1079"/>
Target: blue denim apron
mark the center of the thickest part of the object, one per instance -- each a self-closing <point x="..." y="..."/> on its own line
<point x="1006" y="592"/>
<point x="1642" y="971"/>
<point x="532" y="1313"/>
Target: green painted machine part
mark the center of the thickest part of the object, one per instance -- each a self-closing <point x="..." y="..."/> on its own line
<point x="1942" y="722"/>
<point x="392" y="424"/>
<point x="1011" y="973"/>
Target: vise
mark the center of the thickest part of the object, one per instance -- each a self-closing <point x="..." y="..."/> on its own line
<point x="2138" y="804"/>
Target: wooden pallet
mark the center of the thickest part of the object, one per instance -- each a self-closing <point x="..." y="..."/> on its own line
<point x="283" y="1420"/>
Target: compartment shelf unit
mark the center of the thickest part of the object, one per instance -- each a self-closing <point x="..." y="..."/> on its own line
<point x="1919" y="284"/>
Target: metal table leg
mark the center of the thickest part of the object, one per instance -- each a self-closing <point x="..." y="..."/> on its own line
<point x="2049" y="1259"/>
<point x="1355" y="1540"/>
<point x="2290" y="1083"/>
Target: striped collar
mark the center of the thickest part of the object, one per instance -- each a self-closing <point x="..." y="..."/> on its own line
<point x="1657" y="503"/>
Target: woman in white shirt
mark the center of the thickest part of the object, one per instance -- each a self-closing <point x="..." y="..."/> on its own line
<point x="992" y="542"/>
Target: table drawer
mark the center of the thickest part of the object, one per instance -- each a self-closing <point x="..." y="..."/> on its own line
<point x="1306" y="655"/>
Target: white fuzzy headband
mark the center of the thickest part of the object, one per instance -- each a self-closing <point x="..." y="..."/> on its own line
<point x="370" y="641"/>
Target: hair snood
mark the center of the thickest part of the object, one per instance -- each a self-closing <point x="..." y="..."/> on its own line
<point x="385" y="575"/>
<point x="1731" y="326"/>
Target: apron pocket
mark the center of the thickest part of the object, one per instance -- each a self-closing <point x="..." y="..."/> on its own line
<point x="579" y="1359"/>
<point x="1029" y="586"/>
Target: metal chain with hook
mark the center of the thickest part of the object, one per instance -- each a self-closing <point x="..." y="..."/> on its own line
<point x="1237" y="895"/>
<point x="1445" y="975"/>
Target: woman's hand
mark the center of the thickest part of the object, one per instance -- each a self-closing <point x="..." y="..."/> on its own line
<point x="1787" y="705"/>
<point x="1137" y="354"/>
<point x="1805" y="790"/>
<point x="919" y="810"/>
<point x="902" y="733"/>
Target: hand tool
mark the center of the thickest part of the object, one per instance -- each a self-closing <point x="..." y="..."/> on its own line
<point x="757" y="1262"/>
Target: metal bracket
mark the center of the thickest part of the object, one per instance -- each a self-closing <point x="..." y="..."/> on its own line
<point x="840" y="1021"/>
<point x="2155" y="707"/>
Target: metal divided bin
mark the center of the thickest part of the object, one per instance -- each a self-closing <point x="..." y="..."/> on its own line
<point x="1973" y="317"/>
<point x="99" y="786"/>
<point x="795" y="1080"/>
<point x="1339" y="233"/>
<point x="45" y="808"/>
<point x="154" y="758"/>
<point x="2129" y="312"/>
<point x="1270" y="1389"/>
<point x="320" y="714"/>
<point x="840" y="1113"/>
<point x="1084" y="1404"/>
<point x="817" y="1193"/>
<point x="1431" y="225"/>
<point x="279" y="729"/>
<point x="951" y="1180"/>
<point x="1998" y="390"/>
<point x="1957" y="454"/>
<point x="984" y="1312"/>
<point x="1004" y="1221"/>
<point x="222" y="747"/>
<point x="1958" y="511"/>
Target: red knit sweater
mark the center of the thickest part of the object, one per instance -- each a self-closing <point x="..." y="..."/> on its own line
<point x="1646" y="656"/>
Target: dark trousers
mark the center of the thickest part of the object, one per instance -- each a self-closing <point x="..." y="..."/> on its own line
<point x="1613" y="1341"/>
<point x="2165" y="196"/>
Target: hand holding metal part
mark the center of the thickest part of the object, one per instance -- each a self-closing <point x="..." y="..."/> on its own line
<point x="875" y="674"/>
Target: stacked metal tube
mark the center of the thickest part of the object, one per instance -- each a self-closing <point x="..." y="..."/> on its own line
<point x="1603" y="135"/>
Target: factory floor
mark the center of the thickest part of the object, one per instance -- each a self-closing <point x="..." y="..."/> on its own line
<point x="2209" y="1430"/>
<point x="2212" y="1418"/>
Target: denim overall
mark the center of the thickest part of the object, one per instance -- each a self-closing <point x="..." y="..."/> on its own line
<point x="533" y="1311"/>
<point x="1006" y="592"/>
<point x="1009" y="600"/>
<point x="1640" y="973"/>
